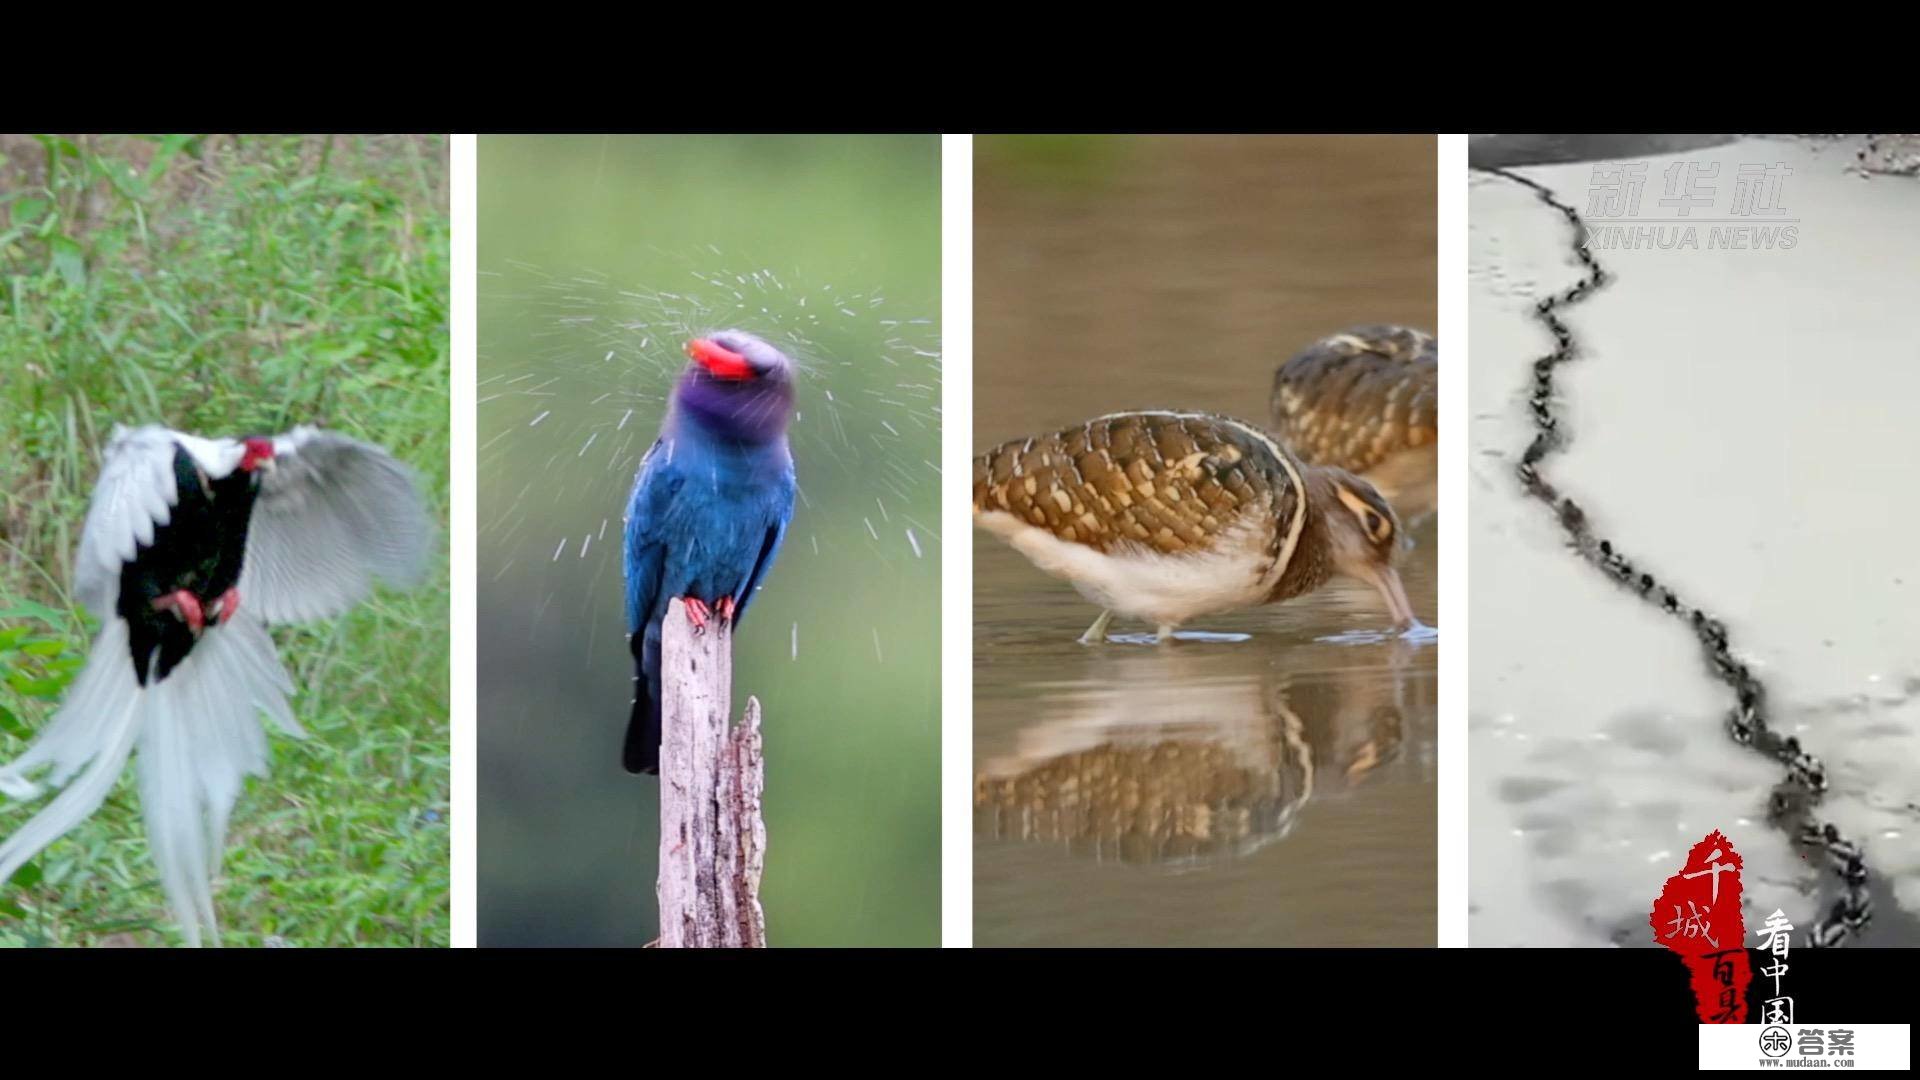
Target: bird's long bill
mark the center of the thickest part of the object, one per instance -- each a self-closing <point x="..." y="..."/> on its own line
<point x="1387" y="580"/>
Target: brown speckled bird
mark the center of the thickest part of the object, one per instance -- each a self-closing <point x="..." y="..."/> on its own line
<point x="1168" y="516"/>
<point x="1366" y="400"/>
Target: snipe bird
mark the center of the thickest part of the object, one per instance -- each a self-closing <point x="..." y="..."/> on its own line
<point x="1168" y="516"/>
<point x="1366" y="400"/>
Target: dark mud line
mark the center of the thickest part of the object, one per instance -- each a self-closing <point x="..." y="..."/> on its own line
<point x="1791" y="804"/>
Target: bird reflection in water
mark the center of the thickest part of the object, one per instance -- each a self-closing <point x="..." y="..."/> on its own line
<point x="1153" y="761"/>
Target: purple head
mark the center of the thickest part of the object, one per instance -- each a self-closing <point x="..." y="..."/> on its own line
<point x="738" y="387"/>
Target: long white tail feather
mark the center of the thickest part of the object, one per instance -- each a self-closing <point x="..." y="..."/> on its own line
<point x="97" y="724"/>
<point x="259" y="670"/>
<point x="78" y="731"/>
<point x="170" y="798"/>
<point x="199" y="735"/>
<point x="78" y="800"/>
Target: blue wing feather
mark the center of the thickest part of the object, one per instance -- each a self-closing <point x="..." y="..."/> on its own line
<point x="780" y="512"/>
<point x="653" y="490"/>
<point x="699" y="523"/>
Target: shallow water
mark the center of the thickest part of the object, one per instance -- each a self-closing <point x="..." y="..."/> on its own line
<point x="1276" y="790"/>
<point x="1273" y="791"/>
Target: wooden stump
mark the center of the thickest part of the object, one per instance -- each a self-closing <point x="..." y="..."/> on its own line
<point x="712" y="840"/>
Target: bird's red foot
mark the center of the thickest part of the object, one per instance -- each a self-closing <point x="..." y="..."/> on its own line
<point x="697" y="613"/>
<point x="185" y="606"/>
<point x="224" y="608"/>
<point x="725" y="608"/>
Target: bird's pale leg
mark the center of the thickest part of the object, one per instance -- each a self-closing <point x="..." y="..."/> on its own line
<point x="1164" y="636"/>
<point x="185" y="606"/>
<point x="697" y="613"/>
<point x="725" y="607"/>
<point x="224" y="608"/>
<point x="1097" y="633"/>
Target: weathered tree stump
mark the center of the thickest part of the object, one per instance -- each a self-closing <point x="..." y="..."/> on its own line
<point x="712" y="840"/>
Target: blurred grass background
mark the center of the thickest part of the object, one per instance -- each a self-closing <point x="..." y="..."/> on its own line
<point x="598" y="256"/>
<point x="227" y="285"/>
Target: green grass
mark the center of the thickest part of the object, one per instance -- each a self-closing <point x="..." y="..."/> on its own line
<point x="231" y="285"/>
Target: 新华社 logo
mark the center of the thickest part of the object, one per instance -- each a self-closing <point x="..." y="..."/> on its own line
<point x="1698" y="209"/>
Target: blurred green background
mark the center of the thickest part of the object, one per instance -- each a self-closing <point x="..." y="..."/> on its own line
<point x="599" y="256"/>
<point x="229" y="285"/>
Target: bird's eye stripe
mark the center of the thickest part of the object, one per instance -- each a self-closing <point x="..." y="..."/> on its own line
<point x="1377" y="526"/>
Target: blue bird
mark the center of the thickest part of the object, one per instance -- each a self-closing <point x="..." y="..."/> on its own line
<point x="709" y="509"/>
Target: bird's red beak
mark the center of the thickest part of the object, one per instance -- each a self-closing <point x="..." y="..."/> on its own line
<point x="720" y="362"/>
<point x="259" y="451"/>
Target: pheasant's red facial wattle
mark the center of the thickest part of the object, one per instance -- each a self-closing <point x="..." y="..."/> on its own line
<point x="258" y="450"/>
<point x="720" y="361"/>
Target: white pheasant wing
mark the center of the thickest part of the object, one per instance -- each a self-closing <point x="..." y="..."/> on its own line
<point x="333" y="514"/>
<point x="136" y="493"/>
